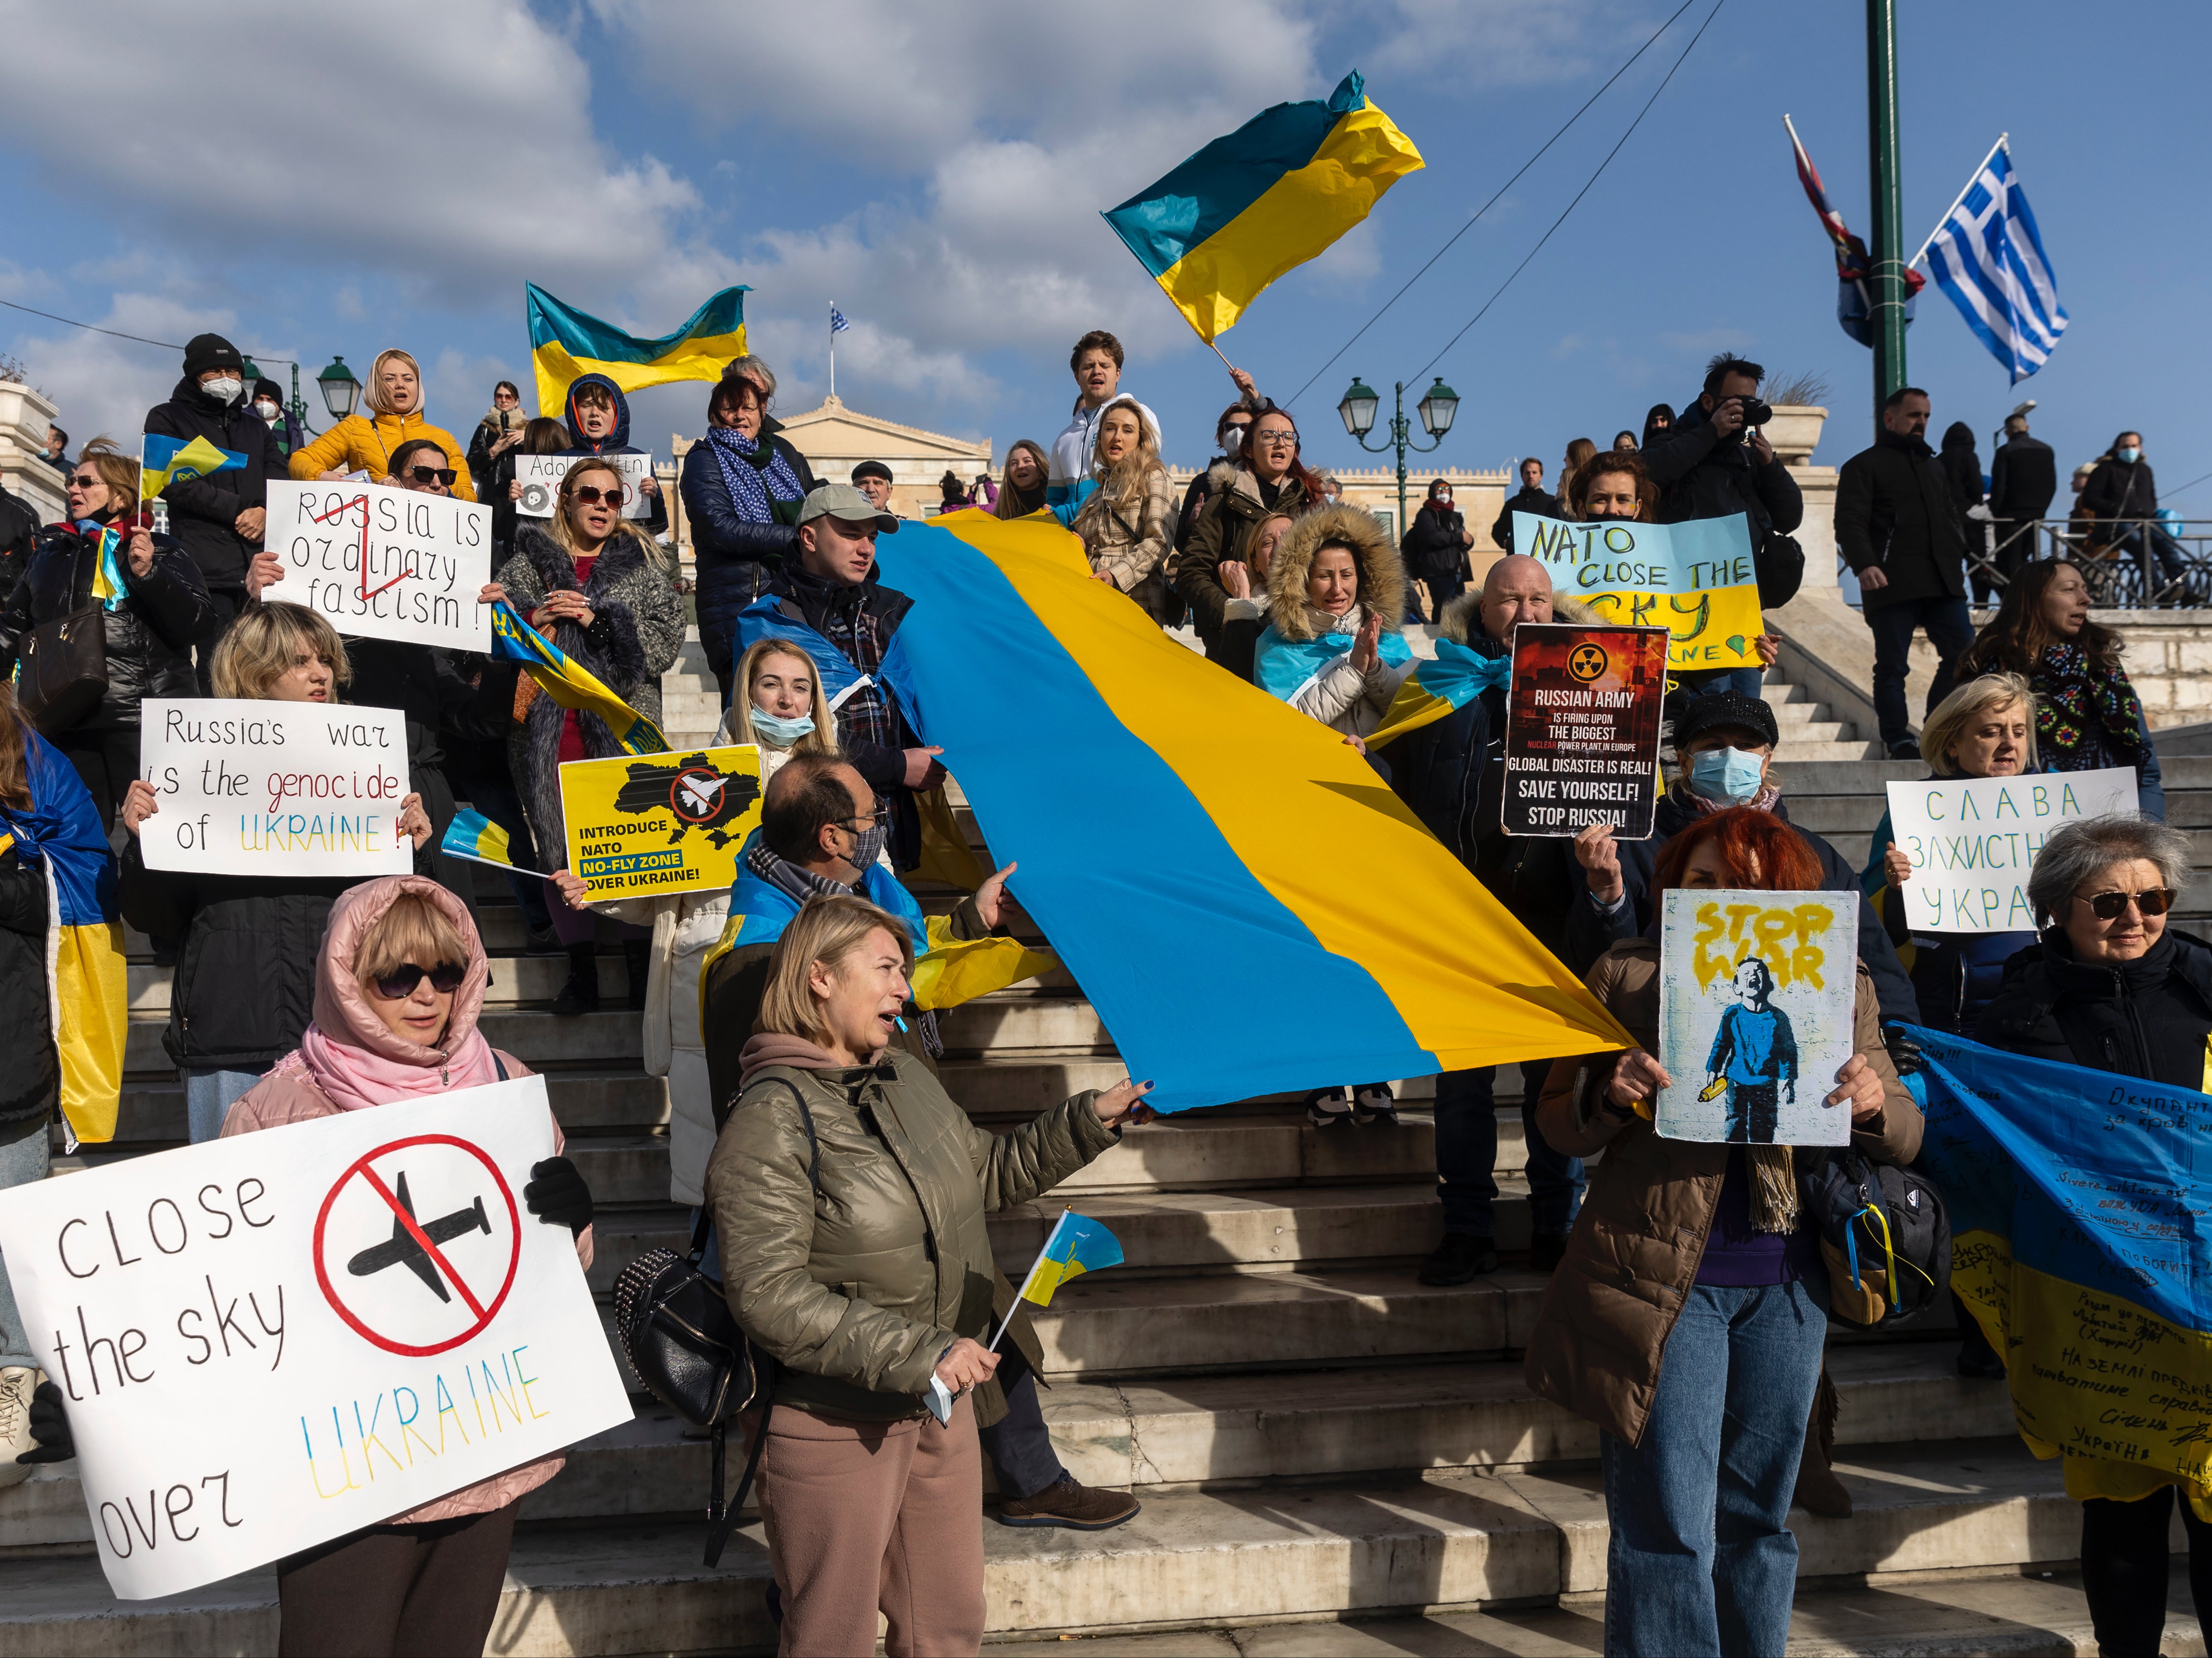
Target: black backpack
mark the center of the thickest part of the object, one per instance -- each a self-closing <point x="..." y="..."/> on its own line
<point x="1885" y="1236"/>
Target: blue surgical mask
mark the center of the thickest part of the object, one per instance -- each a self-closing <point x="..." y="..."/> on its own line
<point x="1728" y="775"/>
<point x="777" y="730"/>
<point x="2129" y="456"/>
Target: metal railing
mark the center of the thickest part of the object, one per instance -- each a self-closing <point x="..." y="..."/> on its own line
<point x="2131" y="564"/>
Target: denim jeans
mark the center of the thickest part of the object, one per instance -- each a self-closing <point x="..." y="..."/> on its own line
<point x="1950" y="627"/>
<point x="209" y="1096"/>
<point x="1701" y="1562"/>
<point x="1467" y="1155"/>
<point x="23" y="1161"/>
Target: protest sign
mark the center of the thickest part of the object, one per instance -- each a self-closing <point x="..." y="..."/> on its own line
<point x="540" y="477"/>
<point x="257" y="787"/>
<point x="355" y="1316"/>
<point x="674" y="823"/>
<point x="1582" y="729"/>
<point x="383" y="562"/>
<point x="1696" y="580"/>
<point x="1973" y="840"/>
<point x="1756" y="996"/>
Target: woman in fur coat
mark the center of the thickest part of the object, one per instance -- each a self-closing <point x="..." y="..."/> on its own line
<point x="587" y="582"/>
<point x="1331" y="648"/>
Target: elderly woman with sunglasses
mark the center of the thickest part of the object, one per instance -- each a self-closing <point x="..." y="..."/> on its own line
<point x="2113" y="987"/>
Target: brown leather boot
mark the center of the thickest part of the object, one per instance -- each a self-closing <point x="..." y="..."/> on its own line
<point x="1819" y="1490"/>
<point x="1068" y="1502"/>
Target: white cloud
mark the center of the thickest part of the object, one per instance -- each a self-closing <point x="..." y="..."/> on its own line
<point x="108" y="385"/>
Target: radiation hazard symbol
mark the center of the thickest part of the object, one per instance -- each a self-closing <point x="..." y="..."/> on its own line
<point x="417" y="1244"/>
<point x="1588" y="661"/>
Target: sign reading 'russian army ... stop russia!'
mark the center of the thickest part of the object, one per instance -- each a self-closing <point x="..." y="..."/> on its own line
<point x="382" y="562"/>
<point x="1698" y="580"/>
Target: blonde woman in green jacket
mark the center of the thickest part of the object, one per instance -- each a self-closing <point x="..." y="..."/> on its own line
<point x="848" y="1193"/>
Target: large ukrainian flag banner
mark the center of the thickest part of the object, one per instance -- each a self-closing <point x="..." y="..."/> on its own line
<point x="1697" y="580"/>
<point x="1272" y="194"/>
<point x="2079" y="1202"/>
<point x="1247" y="906"/>
<point x="565" y="342"/>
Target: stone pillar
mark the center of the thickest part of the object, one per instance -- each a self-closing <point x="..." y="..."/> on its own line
<point x="24" y="416"/>
<point x="1795" y="432"/>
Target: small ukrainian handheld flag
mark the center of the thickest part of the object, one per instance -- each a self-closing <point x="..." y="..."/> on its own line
<point x="1274" y="193"/>
<point x="565" y="342"/>
<point x="474" y="836"/>
<point x="1075" y="1244"/>
<point x="569" y="683"/>
<point x="163" y="461"/>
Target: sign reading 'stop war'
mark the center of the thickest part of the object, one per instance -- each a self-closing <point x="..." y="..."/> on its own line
<point x="540" y="477"/>
<point x="383" y="562"/>
<point x="1698" y="580"/>
<point x="1581" y="732"/>
<point x="1973" y="840"/>
<point x="668" y="822"/>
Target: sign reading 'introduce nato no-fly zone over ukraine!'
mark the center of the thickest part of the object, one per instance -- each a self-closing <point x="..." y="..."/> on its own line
<point x="1698" y="580"/>
<point x="382" y="562"/>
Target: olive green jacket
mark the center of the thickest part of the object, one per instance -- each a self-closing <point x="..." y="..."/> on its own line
<point x="858" y="1279"/>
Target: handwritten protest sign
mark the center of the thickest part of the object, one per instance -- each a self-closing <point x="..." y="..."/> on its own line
<point x="671" y="823"/>
<point x="1755" y="1015"/>
<point x="1696" y="580"/>
<point x="383" y="562"/>
<point x="540" y="477"/>
<point x="252" y="787"/>
<point x="1973" y="840"/>
<point x="355" y="1316"/>
<point x="1581" y="732"/>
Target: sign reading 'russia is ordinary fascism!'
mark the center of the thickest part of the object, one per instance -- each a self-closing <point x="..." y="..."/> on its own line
<point x="382" y="562"/>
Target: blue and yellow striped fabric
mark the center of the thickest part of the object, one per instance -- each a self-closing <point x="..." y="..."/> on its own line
<point x="565" y="342"/>
<point x="474" y="836"/>
<point x="1076" y="1245"/>
<point x="1247" y="906"/>
<point x="1455" y="678"/>
<point x="163" y="461"/>
<point x="1274" y="193"/>
<point x="569" y="683"/>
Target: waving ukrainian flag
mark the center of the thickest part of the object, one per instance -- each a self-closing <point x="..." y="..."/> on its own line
<point x="565" y="342"/>
<point x="1274" y="193"/>
<point x="163" y="461"/>
<point x="569" y="683"/>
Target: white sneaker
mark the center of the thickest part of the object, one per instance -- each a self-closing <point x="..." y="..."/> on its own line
<point x="17" y="1386"/>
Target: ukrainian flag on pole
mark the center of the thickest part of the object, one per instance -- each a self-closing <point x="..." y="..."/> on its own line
<point x="1274" y="193"/>
<point x="569" y="683"/>
<point x="1076" y="1244"/>
<point x="565" y="342"/>
<point x="163" y="461"/>
<point x="474" y="836"/>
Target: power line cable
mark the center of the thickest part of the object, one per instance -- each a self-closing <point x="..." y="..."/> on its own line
<point x="1579" y="194"/>
<point x="140" y="338"/>
<point x="1492" y="201"/>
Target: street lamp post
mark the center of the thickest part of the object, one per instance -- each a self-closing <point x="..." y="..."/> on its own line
<point x="1436" y="407"/>
<point x="339" y="388"/>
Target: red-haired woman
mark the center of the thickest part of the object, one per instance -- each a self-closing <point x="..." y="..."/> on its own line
<point x="1688" y="1316"/>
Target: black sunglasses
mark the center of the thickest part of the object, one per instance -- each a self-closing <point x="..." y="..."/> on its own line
<point x="591" y="494"/>
<point x="2110" y="906"/>
<point x="443" y="475"/>
<point x="398" y="985"/>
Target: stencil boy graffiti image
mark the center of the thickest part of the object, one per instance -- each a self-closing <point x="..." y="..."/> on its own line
<point x="1754" y="1058"/>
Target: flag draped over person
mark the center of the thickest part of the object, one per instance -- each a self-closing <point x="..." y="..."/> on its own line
<point x="565" y="342"/>
<point x="1274" y="193"/>
<point x="1988" y="256"/>
<point x="1179" y="831"/>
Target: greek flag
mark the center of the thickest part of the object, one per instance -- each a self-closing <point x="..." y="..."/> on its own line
<point x="837" y="323"/>
<point x="1988" y="256"/>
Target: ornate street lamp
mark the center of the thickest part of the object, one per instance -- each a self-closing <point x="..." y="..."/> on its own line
<point x="1437" y="410"/>
<point x="341" y="390"/>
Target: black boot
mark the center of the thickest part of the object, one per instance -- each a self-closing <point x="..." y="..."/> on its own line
<point x="637" y="957"/>
<point x="581" y="993"/>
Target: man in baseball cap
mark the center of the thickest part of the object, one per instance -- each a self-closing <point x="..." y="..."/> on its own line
<point x="873" y="479"/>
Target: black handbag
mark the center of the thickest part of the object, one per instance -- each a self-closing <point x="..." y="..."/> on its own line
<point x="1884" y="1238"/>
<point x="1781" y="567"/>
<point x="61" y="673"/>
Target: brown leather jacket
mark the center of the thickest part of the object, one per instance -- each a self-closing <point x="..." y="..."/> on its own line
<point x="1637" y="1245"/>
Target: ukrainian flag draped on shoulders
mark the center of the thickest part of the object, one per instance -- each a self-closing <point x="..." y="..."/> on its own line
<point x="88" y="992"/>
<point x="1430" y="689"/>
<point x="565" y="342"/>
<point x="2078" y="1202"/>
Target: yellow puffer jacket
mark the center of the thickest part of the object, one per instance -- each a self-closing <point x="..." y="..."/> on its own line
<point x="368" y="440"/>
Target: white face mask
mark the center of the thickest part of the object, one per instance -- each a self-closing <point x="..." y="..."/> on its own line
<point x="226" y="390"/>
<point x="267" y="410"/>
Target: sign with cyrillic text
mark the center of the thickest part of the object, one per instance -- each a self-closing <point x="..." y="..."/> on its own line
<point x="1973" y="840"/>
<point x="1698" y="580"/>
<point x="540" y="477"/>
<point x="1582" y="729"/>
<point x="669" y="823"/>
<point x="258" y="788"/>
<point x="382" y="562"/>
<point x="355" y="1316"/>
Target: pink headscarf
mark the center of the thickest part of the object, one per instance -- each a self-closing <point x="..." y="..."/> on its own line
<point x="354" y="1057"/>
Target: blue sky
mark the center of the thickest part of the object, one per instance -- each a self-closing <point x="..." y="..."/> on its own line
<point x="940" y="172"/>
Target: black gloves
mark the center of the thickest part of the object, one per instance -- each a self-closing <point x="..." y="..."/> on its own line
<point x="50" y="1427"/>
<point x="1903" y="1053"/>
<point x="556" y="1193"/>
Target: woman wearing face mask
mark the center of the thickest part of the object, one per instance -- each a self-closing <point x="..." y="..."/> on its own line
<point x="284" y="433"/>
<point x="1229" y="435"/>
<point x="1265" y="479"/>
<point x="1688" y="1317"/>
<point x="2087" y="715"/>
<point x="153" y="608"/>
<point x="1435" y="546"/>
<point x="1658" y="421"/>
<point x="1126" y="523"/>
<point x="245" y="966"/>
<point x="368" y="442"/>
<point x="587" y="581"/>
<point x="2121" y="495"/>
<point x="1027" y="467"/>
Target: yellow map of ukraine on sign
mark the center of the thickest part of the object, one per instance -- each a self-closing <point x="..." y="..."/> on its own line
<point x="1696" y="580"/>
<point x="639" y="826"/>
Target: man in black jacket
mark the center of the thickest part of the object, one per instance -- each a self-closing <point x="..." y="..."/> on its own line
<point x="1713" y="463"/>
<point x="2023" y="477"/>
<point x="216" y="518"/>
<point x="1529" y="498"/>
<point x="1900" y="531"/>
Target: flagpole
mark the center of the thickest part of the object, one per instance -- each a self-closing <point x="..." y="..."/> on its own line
<point x="833" y="348"/>
<point x="1955" y="200"/>
<point x="1031" y="1277"/>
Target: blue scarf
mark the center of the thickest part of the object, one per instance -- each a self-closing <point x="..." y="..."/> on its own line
<point x="1284" y="667"/>
<point x="107" y="580"/>
<point x="752" y="486"/>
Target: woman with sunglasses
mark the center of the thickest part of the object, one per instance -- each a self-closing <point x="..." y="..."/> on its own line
<point x="155" y="606"/>
<point x="246" y="943"/>
<point x="2113" y="987"/>
<point x="587" y="581"/>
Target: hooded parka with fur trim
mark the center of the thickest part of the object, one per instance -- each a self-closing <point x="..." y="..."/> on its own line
<point x="1339" y="696"/>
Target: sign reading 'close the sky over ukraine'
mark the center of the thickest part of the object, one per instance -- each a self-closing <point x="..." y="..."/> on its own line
<point x="1698" y="580"/>
<point x="383" y="562"/>
<point x="1972" y="842"/>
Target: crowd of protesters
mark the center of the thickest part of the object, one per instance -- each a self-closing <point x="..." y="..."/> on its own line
<point x="811" y="1135"/>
